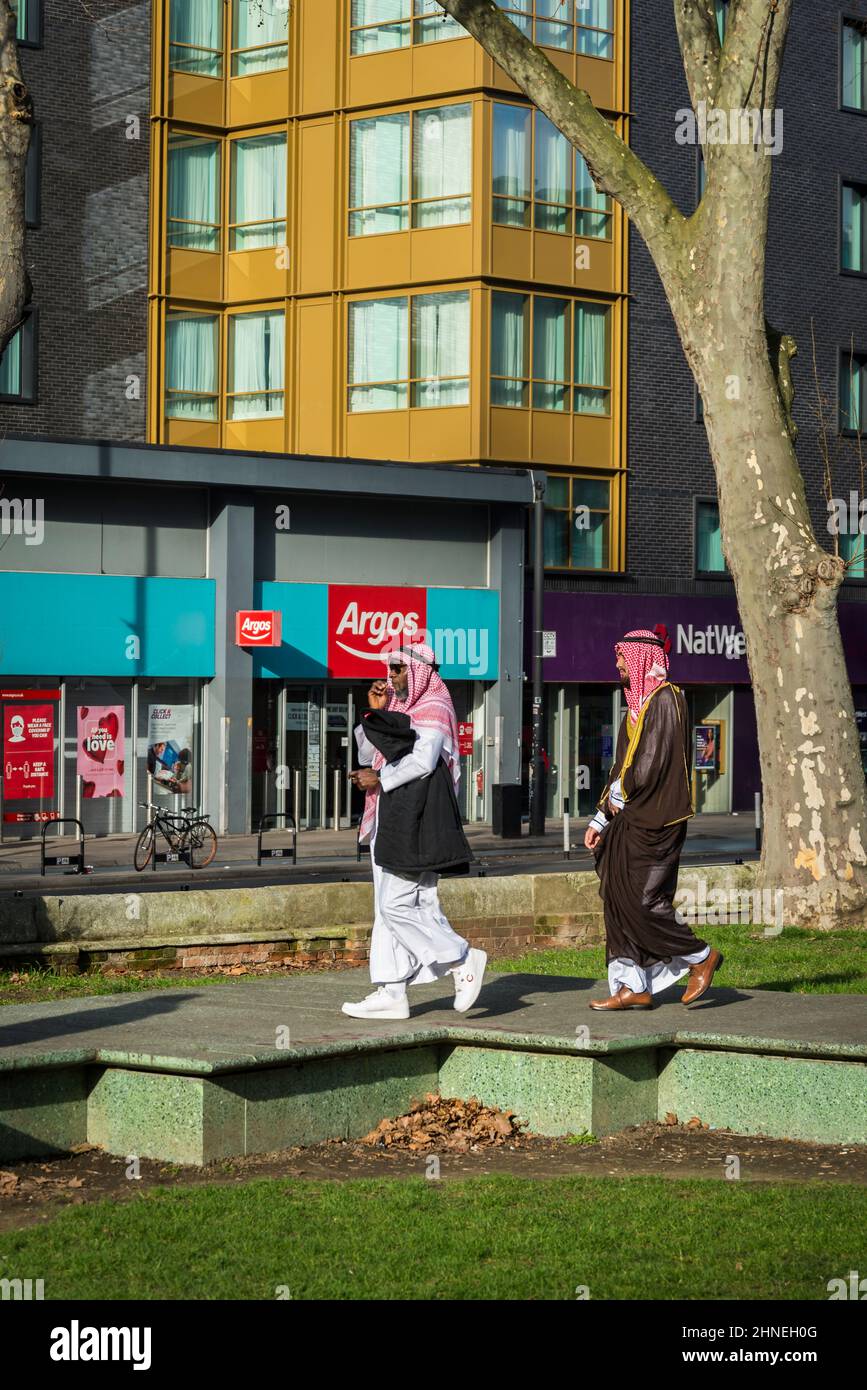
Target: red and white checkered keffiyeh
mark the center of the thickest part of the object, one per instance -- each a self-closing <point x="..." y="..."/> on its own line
<point x="646" y="657"/>
<point x="429" y="706"/>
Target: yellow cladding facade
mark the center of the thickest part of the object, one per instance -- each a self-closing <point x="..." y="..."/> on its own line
<point x="304" y="288"/>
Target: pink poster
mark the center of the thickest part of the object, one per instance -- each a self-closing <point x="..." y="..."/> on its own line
<point x="28" y="752"/>
<point x="100" y="749"/>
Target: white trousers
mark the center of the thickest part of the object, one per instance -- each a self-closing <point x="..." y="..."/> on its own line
<point x="654" y="978"/>
<point x="413" y="941"/>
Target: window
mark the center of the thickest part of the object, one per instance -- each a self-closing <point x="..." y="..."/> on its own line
<point x="567" y="343"/>
<point x="435" y="145"/>
<point x="18" y="362"/>
<point x="852" y="547"/>
<point x="564" y="197"/>
<point x="258" y="211"/>
<point x="591" y="32"/>
<point x="709" y="558"/>
<point x="259" y="31"/>
<point x="193" y="213"/>
<point x="853" y="391"/>
<point x="577" y="524"/>
<point x="28" y="15"/>
<point x="256" y="359"/>
<point x="390" y="366"/>
<point x="853" y="249"/>
<point x="33" y="178"/>
<point x="192" y="355"/>
<point x="854" y="93"/>
<point x="722" y="14"/>
<point x="380" y="25"/>
<point x="196" y="37"/>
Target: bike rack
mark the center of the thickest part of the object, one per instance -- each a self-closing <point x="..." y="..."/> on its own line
<point x="276" y="853"/>
<point x="57" y="859"/>
<point x="171" y="856"/>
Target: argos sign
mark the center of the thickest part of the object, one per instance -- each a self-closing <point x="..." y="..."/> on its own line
<point x="258" y="629"/>
<point x="364" y="620"/>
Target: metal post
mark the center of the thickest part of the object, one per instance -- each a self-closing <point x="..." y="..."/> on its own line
<point x="296" y="797"/>
<point x="537" y="785"/>
<point x="758" y="821"/>
<point x="566" y="839"/>
<point x="78" y="781"/>
<point x="336" y="795"/>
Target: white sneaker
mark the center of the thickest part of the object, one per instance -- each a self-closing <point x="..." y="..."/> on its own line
<point x="468" y="979"/>
<point x="379" y="1004"/>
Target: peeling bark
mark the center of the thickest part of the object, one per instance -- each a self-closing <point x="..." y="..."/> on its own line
<point x="16" y="120"/>
<point x="712" y="267"/>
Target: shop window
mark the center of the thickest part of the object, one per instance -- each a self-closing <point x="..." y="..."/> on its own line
<point x="259" y="32"/>
<point x="256" y="366"/>
<point x="378" y="26"/>
<point x="538" y="156"/>
<point x="410" y="171"/>
<point x="854" y="65"/>
<point x="568" y="344"/>
<point x="193" y="193"/>
<point x="400" y="352"/>
<point x="591" y="32"/>
<point x="192" y="357"/>
<point x="196" y="37"/>
<point x="577" y="524"/>
<point x="18" y="363"/>
<point x="852" y="391"/>
<point x="258" y="211"/>
<point x="709" y="557"/>
<point x="853" y="230"/>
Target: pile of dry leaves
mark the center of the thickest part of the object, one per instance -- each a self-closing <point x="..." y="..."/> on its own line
<point x="459" y="1126"/>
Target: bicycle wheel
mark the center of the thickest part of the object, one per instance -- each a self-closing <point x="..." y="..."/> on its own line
<point x="202" y="843"/>
<point x="144" y="848"/>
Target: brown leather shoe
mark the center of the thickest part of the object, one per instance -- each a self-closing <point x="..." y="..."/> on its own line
<point x="701" y="975"/>
<point x="624" y="999"/>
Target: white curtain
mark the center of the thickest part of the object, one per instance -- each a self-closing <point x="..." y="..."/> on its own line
<point x="442" y="165"/>
<point x="551" y="31"/>
<point x="259" y="191"/>
<point x="191" y="366"/>
<point x="854" y="51"/>
<point x="591" y="358"/>
<point x="549" y="353"/>
<point x="391" y="18"/>
<point x="257" y="365"/>
<point x="596" y="15"/>
<point x="553" y="176"/>
<point x="511" y="157"/>
<point x="520" y="13"/>
<point x="589" y="223"/>
<point x="378" y="354"/>
<point x="193" y="177"/>
<point x="433" y="24"/>
<point x="853" y="228"/>
<point x="441" y="349"/>
<point x="259" y="22"/>
<point x="379" y="175"/>
<point x="194" y="28"/>
<point x="509" y="348"/>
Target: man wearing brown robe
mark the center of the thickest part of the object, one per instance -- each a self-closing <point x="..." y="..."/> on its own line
<point x="638" y="832"/>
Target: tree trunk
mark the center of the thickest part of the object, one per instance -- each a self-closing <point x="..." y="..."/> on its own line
<point x="16" y="119"/>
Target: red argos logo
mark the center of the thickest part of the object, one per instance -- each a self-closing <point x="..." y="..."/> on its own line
<point x="363" y="622"/>
<point x="258" y="629"/>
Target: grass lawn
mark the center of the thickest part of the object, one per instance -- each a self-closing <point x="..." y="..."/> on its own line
<point x="479" y="1238"/>
<point x="799" y="961"/>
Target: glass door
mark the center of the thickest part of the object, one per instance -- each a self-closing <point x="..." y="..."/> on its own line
<point x="338" y="756"/>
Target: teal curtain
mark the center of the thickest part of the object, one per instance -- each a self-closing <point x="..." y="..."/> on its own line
<point x="378" y="361"/>
<point x="259" y="192"/>
<point x="854" y="54"/>
<point x="260" y="26"/>
<point x="256" y="356"/>
<point x="553" y="184"/>
<point x="442" y="166"/>
<point x="10" y="367"/>
<point x="853" y="228"/>
<point x="709" y="552"/>
<point x="722" y="14"/>
<point x="593" y="217"/>
<point x="191" y="366"/>
<point x="511" y="157"/>
<point x="432" y="24"/>
<point x="379" y="175"/>
<point x="850" y="547"/>
<point x="591" y="359"/>
<point x="590" y="528"/>
<point x="441" y="349"/>
<point x="556" y="523"/>
<point x="193" y="182"/>
<point x="195" y="29"/>
<point x="551" y="30"/>
<point x="595" y="20"/>
<point x="510" y="346"/>
<point x="388" y="22"/>
<point x="550" y="371"/>
<point x="853" y="377"/>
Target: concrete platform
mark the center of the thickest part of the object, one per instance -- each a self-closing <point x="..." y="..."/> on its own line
<point x="194" y="1075"/>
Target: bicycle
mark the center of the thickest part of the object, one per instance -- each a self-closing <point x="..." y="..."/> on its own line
<point x="187" y="830"/>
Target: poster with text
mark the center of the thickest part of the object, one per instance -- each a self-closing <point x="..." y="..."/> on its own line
<point x="28" y="752"/>
<point x="101" y="750"/>
<point x="170" y="744"/>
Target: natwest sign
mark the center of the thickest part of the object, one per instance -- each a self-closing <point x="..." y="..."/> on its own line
<point x="258" y="629"/>
<point x="365" y="620"/>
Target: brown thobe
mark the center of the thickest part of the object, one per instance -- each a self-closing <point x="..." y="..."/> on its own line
<point x="638" y="855"/>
